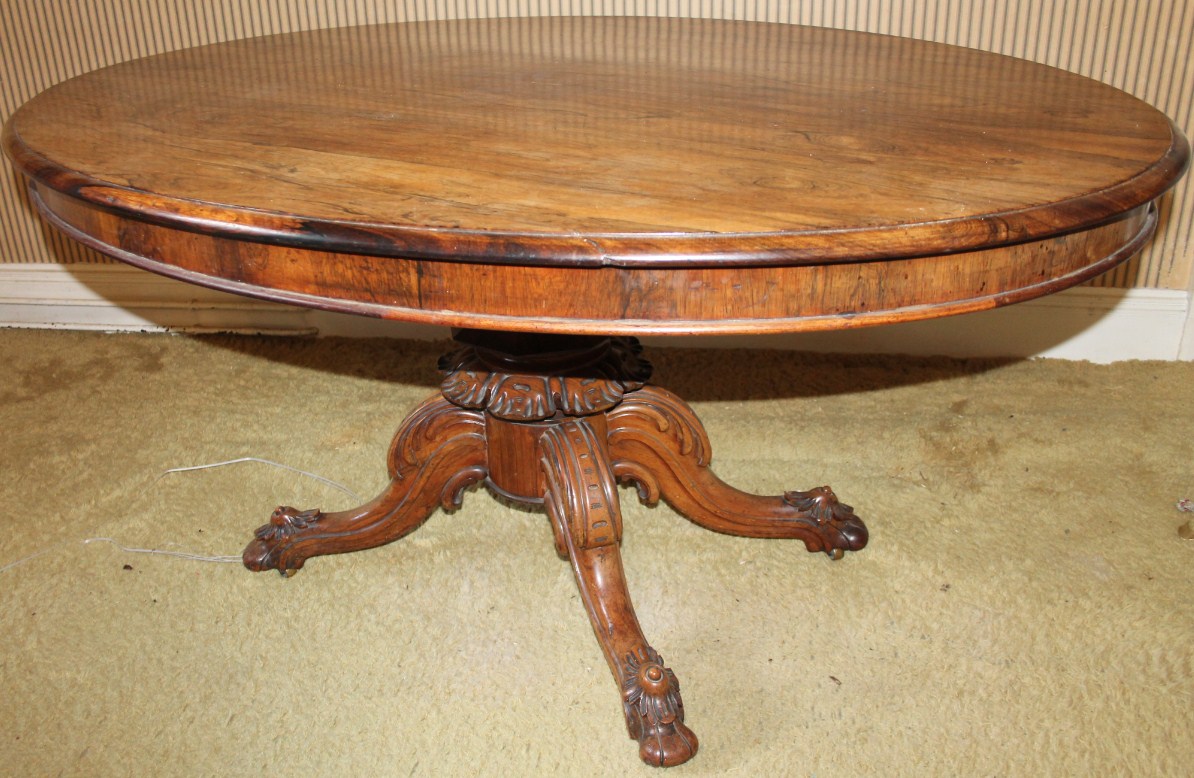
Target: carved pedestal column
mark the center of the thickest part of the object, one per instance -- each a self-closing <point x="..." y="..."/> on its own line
<point x="556" y="421"/>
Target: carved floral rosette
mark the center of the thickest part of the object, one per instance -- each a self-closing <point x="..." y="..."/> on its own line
<point x="650" y="692"/>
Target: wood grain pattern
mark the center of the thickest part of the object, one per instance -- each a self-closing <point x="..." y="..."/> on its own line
<point x="1140" y="48"/>
<point x="611" y="300"/>
<point x="602" y="175"/>
<point x="600" y="141"/>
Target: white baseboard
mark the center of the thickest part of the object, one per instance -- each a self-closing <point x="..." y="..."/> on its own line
<point x="119" y="298"/>
<point x="1085" y="323"/>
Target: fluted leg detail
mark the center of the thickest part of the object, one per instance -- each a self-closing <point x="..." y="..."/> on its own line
<point x="582" y="503"/>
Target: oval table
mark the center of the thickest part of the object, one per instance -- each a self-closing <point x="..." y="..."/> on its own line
<point x="552" y="187"/>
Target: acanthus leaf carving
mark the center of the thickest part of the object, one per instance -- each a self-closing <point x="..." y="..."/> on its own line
<point x="286" y="522"/>
<point x="651" y="689"/>
<point x="596" y="379"/>
<point x="821" y="505"/>
<point x="654" y="709"/>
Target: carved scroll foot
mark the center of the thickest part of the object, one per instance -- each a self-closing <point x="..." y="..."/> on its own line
<point x="654" y="711"/>
<point x="835" y="524"/>
<point x="438" y="451"/>
<point x="582" y="503"/>
<point x="657" y="442"/>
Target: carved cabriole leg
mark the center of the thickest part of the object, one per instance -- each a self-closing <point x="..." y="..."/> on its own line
<point x="581" y="499"/>
<point x="656" y="441"/>
<point x="438" y="451"/>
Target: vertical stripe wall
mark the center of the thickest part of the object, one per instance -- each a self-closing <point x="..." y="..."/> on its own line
<point x="1141" y="46"/>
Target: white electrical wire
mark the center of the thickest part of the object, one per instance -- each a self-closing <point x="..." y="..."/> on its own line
<point x="222" y="559"/>
<point x="319" y="478"/>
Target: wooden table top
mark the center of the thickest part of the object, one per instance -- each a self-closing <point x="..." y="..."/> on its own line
<point x="344" y="168"/>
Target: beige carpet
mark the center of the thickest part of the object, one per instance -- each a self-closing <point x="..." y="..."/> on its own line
<point x="1025" y="607"/>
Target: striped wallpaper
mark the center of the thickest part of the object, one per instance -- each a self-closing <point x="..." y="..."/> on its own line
<point x="1141" y="46"/>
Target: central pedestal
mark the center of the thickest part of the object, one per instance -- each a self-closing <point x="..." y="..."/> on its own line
<point x="557" y="421"/>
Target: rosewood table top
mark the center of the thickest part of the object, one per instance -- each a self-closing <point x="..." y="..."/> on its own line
<point x="550" y="187"/>
<point x="601" y="174"/>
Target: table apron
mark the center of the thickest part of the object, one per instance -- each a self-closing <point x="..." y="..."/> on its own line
<point x="609" y="300"/>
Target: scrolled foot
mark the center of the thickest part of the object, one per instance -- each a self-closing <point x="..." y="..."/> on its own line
<point x="654" y="710"/>
<point x="839" y="528"/>
<point x="269" y="540"/>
